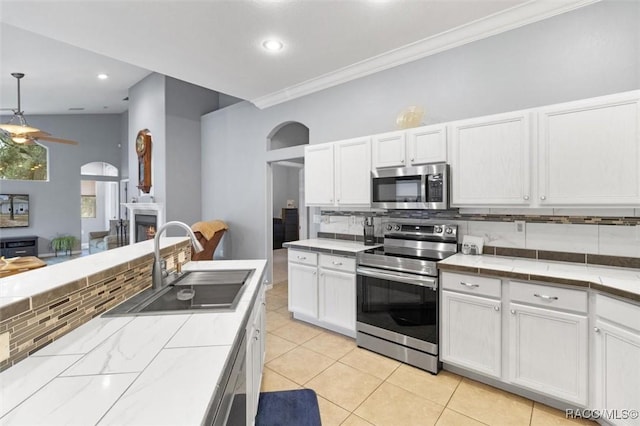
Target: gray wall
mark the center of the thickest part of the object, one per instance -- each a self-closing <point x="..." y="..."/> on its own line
<point x="55" y="205"/>
<point x="147" y="110"/>
<point x="285" y="187"/>
<point x="186" y="103"/>
<point x="588" y="52"/>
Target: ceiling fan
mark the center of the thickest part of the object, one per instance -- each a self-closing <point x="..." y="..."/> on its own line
<point x="19" y="130"/>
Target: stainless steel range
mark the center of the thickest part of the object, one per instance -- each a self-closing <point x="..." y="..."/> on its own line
<point x="397" y="293"/>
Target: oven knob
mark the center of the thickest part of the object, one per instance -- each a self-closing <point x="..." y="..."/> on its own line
<point x="389" y="227"/>
<point x="438" y="229"/>
<point x="449" y="231"/>
<point x="397" y="228"/>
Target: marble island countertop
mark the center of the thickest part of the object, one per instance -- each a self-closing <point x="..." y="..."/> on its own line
<point x="157" y="369"/>
<point x="327" y="245"/>
<point x="624" y="282"/>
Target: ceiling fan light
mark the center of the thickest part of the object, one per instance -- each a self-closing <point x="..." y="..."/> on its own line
<point x="19" y="138"/>
<point x="18" y="125"/>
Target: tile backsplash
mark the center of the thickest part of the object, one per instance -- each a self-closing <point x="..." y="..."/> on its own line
<point x="603" y="235"/>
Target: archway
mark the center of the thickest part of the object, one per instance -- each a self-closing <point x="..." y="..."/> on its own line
<point x="286" y="214"/>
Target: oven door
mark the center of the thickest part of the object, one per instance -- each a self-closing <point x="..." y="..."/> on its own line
<point x="398" y="307"/>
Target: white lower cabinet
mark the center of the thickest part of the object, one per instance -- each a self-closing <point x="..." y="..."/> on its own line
<point x="337" y="299"/>
<point x="548" y="352"/>
<point x="617" y="358"/>
<point x="303" y="289"/>
<point x="256" y="336"/>
<point x="324" y="295"/>
<point x="538" y="342"/>
<point x="471" y="332"/>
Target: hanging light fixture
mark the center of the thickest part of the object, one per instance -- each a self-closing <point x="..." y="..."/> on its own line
<point x="17" y="127"/>
<point x="19" y="130"/>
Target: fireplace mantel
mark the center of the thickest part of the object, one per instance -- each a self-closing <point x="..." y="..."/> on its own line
<point x="156" y="209"/>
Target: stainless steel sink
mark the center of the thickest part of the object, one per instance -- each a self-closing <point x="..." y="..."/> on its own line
<point x="194" y="291"/>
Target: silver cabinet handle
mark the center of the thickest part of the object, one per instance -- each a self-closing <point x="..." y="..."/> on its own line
<point x="542" y="197"/>
<point x="513" y="312"/>
<point x="337" y="263"/>
<point x="545" y="297"/>
<point x="469" y="285"/>
<point x="413" y="159"/>
<point x="402" y="161"/>
<point x="526" y="197"/>
<point x="302" y="257"/>
<point x="596" y="329"/>
<point x="314" y="272"/>
<point x="496" y="308"/>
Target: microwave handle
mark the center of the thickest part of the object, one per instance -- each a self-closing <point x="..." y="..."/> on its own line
<point x="423" y="187"/>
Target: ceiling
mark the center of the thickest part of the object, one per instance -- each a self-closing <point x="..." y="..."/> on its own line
<point x="62" y="45"/>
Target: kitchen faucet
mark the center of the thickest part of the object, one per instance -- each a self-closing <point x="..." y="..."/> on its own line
<point x="159" y="265"/>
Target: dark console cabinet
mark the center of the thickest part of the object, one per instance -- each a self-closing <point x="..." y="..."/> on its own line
<point x="19" y="246"/>
<point x="291" y="227"/>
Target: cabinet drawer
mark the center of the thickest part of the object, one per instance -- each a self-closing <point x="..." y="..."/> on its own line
<point x="549" y="296"/>
<point x="20" y="251"/>
<point x="626" y="314"/>
<point x="339" y="263"/>
<point x="304" y="257"/>
<point x="473" y="284"/>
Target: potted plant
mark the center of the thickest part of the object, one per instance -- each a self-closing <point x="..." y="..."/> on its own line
<point x="64" y="243"/>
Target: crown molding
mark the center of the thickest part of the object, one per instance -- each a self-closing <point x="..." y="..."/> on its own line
<point x="506" y="20"/>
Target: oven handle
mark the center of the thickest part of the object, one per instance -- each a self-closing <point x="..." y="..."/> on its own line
<point x="398" y="276"/>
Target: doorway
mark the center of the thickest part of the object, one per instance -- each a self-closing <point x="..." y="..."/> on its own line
<point x="286" y="212"/>
<point x="99" y="199"/>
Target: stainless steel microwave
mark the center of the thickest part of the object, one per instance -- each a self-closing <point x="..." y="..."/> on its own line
<point x="421" y="187"/>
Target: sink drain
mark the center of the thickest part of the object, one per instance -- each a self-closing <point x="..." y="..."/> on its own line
<point x="186" y="294"/>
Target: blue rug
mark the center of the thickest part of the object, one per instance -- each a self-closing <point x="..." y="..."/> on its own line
<point x="288" y="408"/>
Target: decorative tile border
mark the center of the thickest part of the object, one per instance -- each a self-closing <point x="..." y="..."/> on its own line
<point x="456" y="215"/>
<point x="33" y="323"/>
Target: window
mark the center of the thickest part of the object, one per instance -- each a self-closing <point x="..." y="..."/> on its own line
<point x="88" y="199"/>
<point x="22" y="162"/>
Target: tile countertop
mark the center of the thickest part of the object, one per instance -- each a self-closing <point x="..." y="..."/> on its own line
<point x="330" y="246"/>
<point x="618" y="281"/>
<point x="159" y="369"/>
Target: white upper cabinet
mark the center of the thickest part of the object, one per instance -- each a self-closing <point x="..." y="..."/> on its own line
<point x="589" y="152"/>
<point x="389" y="149"/>
<point x="338" y="173"/>
<point x="353" y="172"/>
<point x="490" y="160"/>
<point x="318" y="174"/>
<point x="420" y="145"/>
<point x="427" y="144"/>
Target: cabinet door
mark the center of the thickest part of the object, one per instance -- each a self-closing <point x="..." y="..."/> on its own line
<point x="617" y="369"/>
<point x="388" y="149"/>
<point x="471" y="332"/>
<point x="337" y="300"/>
<point x="303" y="289"/>
<point x="548" y="352"/>
<point x="318" y="172"/>
<point x="427" y="145"/>
<point x="589" y="152"/>
<point x="353" y="172"/>
<point x="490" y="160"/>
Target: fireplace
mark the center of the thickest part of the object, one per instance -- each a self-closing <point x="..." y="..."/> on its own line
<point x="146" y="225"/>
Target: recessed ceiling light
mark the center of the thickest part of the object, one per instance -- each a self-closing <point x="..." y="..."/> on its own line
<point x="103" y="76"/>
<point x="272" y="45"/>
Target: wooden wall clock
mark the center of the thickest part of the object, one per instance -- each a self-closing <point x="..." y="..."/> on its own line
<point x="143" y="149"/>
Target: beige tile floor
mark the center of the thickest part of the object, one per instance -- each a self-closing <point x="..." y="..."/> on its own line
<point x="357" y="387"/>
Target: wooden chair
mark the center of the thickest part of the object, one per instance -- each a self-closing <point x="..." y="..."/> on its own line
<point x="209" y="245"/>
